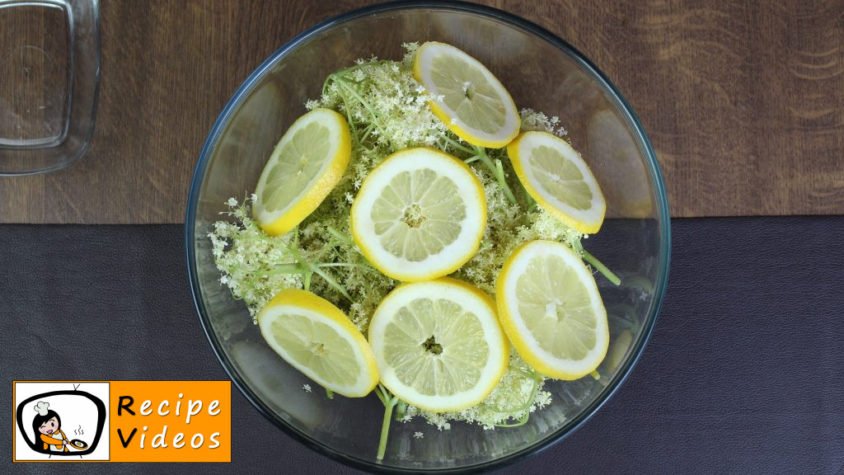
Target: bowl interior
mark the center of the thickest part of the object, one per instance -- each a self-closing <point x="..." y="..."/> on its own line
<point x="542" y="73"/>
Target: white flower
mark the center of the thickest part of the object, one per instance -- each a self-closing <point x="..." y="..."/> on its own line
<point x="389" y="111"/>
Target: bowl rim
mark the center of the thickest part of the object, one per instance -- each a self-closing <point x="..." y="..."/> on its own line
<point x="660" y="284"/>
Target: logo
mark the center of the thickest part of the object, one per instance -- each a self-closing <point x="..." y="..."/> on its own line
<point x="122" y="421"/>
<point x="61" y="420"/>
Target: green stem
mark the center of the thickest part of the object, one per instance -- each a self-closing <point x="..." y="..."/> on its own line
<point x="339" y="236"/>
<point x="284" y="269"/>
<point x="380" y="396"/>
<point x="518" y="423"/>
<point x="458" y="145"/>
<point x="329" y="393"/>
<point x="340" y="264"/>
<point x="296" y="236"/>
<point x="330" y="280"/>
<point x="350" y="120"/>
<point x="524" y="407"/>
<point x="600" y="267"/>
<point x="497" y="171"/>
<point x="385" y="426"/>
<point x="366" y="133"/>
<point x="307" y="283"/>
<point x="362" y="101"/>
<point x="349" y="264"/>
<point x="311" y="268"/>
<point x="401" y="410"/>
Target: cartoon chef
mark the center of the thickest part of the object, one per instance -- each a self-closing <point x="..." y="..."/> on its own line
<point x="48" y="425"/>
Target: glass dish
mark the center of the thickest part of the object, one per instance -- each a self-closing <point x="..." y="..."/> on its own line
<point x="49" y="81"/>
<point x="541" y="71"/>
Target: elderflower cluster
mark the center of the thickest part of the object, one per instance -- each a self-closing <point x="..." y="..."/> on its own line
<point x="248" y="259"/>
<point x="534" y="120"/>
<point x="387" y="110"/>
<point x="518" y="394"/>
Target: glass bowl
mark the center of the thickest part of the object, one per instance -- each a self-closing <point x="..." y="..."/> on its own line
<point x="542" y="72"/>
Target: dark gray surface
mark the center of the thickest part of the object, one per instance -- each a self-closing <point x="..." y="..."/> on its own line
<point x="745" y="371"/>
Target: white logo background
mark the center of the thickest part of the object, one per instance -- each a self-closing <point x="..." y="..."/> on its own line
<point x="78" y="418"/>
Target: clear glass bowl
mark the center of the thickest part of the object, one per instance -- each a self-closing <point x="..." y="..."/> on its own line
<point x="542" y="72"/>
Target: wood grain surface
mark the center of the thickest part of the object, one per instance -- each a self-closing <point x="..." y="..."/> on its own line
<point x="744" y="101"/>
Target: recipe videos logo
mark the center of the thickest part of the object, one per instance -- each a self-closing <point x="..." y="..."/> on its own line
<point x="121" y="421"/>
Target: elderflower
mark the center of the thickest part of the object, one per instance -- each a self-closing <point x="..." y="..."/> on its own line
<point x="248" y="258"/>
<point x="387" y="110"/>
<point x="533" y="120"/>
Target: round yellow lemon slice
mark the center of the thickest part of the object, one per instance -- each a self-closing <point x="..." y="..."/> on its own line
<point x="556" y="176"/>
<point x="550" y="308"/>
<point x="317" y="338"/>
<point x="419" y="215"/>
<point x="438" y="344"/>
<point x="467" y="97"/>
<point x="303" y="168"/>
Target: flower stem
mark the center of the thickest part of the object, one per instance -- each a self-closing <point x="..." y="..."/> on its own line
<point x="291" y="268"/>
<point x="499" y="175"/>
<point x="497" y="171"/>
<point x="351" y="90"/>
<point x="339" y="236"/>
<point x="341" y="264"/>
<point x="311" y="268"/>
<point x="330" y="281"/>
<point x="600" y="267"/>
<point x="380" y="396"/>
<point x="458" y="145"/>
<point x="528" y="402"/>
<point x="518" y="423"/>
<point x="307" y="283"/>
<point x="401" y="410"/>
<point x="389" y="403"/>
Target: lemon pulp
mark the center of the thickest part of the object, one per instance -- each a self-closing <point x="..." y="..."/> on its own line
<point x="438" y="344"/>
<point x="551" y="310"/>
<point x="467" y="97"/>
<point x="558" y="178"/>
<point x="316" y="338"/>
<point x="302" y="170"/>
<point x="419" y="215"/>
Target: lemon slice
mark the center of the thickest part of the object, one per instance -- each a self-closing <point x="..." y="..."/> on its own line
<point x="438" y="344"/>
<point x="551" y="310"/>
<point x="555" y="175"/>
<point x="316" y="338"/>
<point x="419" y="215"/>
<point x="467" y="97"/>
<point x="304" y="167"/>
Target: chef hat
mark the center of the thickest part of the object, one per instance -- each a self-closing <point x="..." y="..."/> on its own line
<point x="42" y="407"/>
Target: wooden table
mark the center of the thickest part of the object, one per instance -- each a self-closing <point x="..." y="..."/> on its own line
<point x="744" y="101"/>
